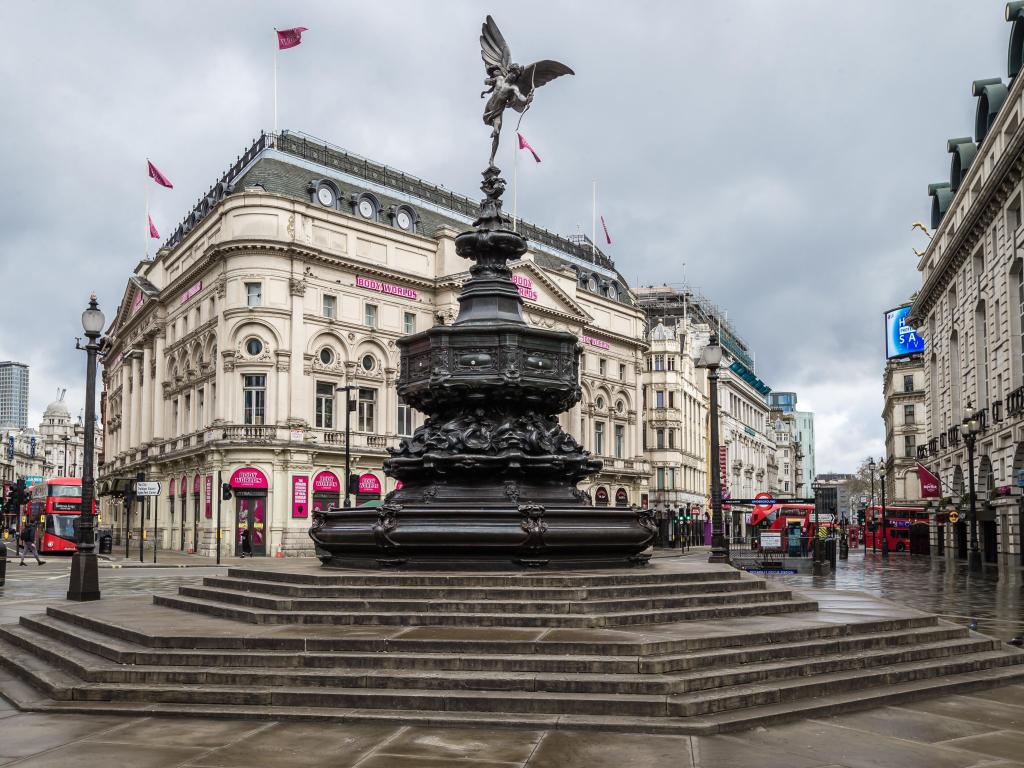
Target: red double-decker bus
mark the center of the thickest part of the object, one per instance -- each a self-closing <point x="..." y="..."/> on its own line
<point x="898" y="522"/>
<point x="54" y="506"/>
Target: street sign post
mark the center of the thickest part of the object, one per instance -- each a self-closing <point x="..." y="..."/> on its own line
<point x="147" y="488"/>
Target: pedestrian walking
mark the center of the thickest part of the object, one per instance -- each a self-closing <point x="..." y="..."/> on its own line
<point x="246" y="543"/>
<point x="28" y="543"/>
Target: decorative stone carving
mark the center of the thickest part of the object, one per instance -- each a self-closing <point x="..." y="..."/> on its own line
<point x="533" y="519"/>
<point x="297" y="287"/>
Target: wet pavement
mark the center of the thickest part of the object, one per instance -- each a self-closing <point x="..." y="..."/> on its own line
<point x="930" y="584"/>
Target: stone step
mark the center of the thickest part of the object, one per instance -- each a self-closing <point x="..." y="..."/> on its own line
<point x="761" y="603"/>
<point x="101" y="670"/>
<point x="284" y="589"/>
<point x="444" y="604"/>
<point x="151" y="628"/>
<point x="537" y="702"/>
<point x="532" y="660"/>
<point x="733" y="720"/>
<point x="582" y="579"/>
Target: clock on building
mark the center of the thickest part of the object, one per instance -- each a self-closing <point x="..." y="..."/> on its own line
<point x="325" y="195"/>
<point x="366" y="209"/>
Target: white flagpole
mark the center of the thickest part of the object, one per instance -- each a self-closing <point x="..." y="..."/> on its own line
<point x="146" y="238"/>
<point x="276" y="46"/>
<point x="515" y="183"/>
<point x="593" y="223"/>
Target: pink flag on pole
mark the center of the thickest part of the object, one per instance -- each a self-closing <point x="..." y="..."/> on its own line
<point x="289" y="38"/>
<point x="524" y="144"/>
<point x="152" y="230"/>
<point x="159" y="178"/>
<point x="605" y="228"/>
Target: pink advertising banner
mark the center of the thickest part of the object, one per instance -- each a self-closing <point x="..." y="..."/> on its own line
<point x="249" y="477"/>
<point x="209" y="497"/>
<point x="300" y="496"/>
<point x="191" y="292"/>
<point x="377" y="285"/>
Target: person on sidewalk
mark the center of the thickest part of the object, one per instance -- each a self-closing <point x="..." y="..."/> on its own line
<point x="28" y="543"/>
<point x="246" y="543"/>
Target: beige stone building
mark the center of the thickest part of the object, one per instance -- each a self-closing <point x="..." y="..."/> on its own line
<point x="294" y="276"/>
<point x="970" y="310"/>
<point x="906" y="426"/>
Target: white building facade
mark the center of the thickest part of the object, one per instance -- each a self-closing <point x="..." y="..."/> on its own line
<point x="294" y="277"/>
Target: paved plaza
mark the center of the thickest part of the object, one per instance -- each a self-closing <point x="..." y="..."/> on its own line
<point x="984" y="729"/>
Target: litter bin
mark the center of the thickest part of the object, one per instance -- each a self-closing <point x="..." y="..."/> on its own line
<point x="106" y="543"/>
<point x="3" y="563"/>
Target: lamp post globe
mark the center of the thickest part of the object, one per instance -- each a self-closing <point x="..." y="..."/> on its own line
<point x="84" y="583"/>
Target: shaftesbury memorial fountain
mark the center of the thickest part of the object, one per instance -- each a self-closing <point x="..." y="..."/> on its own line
<point x="490" y="479"/>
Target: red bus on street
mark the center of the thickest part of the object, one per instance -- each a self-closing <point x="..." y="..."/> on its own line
<point x="795" y="521"/>
<point x="898" y="521"/>
<point x="54" y="506"/>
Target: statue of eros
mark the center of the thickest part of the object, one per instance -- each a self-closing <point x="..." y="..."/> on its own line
<point x="510" y="85"/>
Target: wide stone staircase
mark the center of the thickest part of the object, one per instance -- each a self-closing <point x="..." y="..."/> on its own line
<point x="670" y="648"/>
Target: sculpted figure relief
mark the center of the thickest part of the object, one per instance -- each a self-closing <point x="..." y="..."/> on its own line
<point x="508" y="84"/>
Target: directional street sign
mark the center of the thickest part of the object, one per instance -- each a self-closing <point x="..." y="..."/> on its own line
<point x="147" y="488"/>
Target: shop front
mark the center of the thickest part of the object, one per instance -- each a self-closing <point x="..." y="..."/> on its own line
<point x="196" y="501"/>
<point x="369" y="489"/>
<point x="326" y="491"/>
<point x="183" y="495"/>
<point x="249" y="487"/>
<point x="601" y="496"/>
<point x="621" y="498"/>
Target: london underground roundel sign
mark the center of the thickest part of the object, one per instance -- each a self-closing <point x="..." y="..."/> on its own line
<point x="765" y="502"/>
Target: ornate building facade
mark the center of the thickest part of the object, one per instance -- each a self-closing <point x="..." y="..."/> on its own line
<point x="292" y="278"/>
<point x="970" y="310"/>
<point x="906" y="426"/>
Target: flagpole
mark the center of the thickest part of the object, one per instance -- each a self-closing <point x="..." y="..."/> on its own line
<point x="276" y="46"/>
<point x="146" y="237"/>
<point x="515" y="182"/>
<point x="593" y="224"/>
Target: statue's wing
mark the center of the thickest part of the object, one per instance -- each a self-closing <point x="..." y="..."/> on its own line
<point x="493" y="48"/>
<point x="540" y="73"/>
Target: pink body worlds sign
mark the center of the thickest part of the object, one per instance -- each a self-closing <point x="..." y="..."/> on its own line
<point x="249" y="477"/>
<point x="369" y="483"/>
<point x="327" y="482"/>
<point x="377" y="285"/>
<point x="300" y="496"/>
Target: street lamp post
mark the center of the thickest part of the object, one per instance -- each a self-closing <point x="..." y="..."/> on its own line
<point x="969" y="430"/>
<point x="85" y="582"/>
<point x="711" y="358"/>
<point x="348" y="440"/>
<point x="66" y="439"/>
<point x="885" y="522"/>
<point x="874" y="536"/>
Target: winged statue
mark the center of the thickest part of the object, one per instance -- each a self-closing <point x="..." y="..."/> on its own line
<point x="509" y="84"/>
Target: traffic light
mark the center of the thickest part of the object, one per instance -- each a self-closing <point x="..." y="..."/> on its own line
<point x="353" y="485"/>
<point x="225" y="491"/>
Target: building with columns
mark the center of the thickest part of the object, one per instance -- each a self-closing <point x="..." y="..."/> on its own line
<point x="906" y="426"/>
<point x="970" y="311"/>
<point x="675" y="412"/>
<point x="294" y="276"/>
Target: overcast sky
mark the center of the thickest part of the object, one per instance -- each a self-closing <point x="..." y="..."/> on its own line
<point x="781" y="149"/>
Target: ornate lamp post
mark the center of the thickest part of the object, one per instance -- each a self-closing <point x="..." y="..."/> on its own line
<point x="347" y="389"/>
<point x="885" y="522"/>
<point x="871" y="467"/>
<point x="66" y="439"/>
<point x="85" y="582"/>
<point x="711" y="358"/>
<point x="969" y="430"/>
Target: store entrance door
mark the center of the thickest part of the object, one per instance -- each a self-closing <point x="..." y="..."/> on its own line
<point x="251" y="520"/>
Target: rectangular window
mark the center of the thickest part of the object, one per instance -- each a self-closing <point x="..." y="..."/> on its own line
<point x="324" y="405"/>
<point x="620" y="441"/>
<point x="661" y="478"/>
<point x="254" y="398"/>
<point x="404" y="420"/>
<point x="671" y="438"/>
<point x="1013" y="215"/>
<point x="599" y="438"/>
<point x="622" y="371"/>
<point x="409" y="323"/>
<point x="254" y="294"/>
<point x="659" y="398"/>
<point x="672" y="362"/>
<point x="659" y="436"/>
<point x="370" y="315"/>
<point x="602" y="367"/>
<point x="908" y="414"/>
<point x="671" y="399"/>
<point x="330" y="306"/>
<point x="908" y="383"/>
<point x="659" y="362"/>
<point x="672" y="478"/>
<point x="367" y="409"/>
<point x="909" y="446"/>
<point x="200" y="403"/>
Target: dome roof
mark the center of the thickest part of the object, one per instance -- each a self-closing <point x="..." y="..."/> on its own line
<point x="57" y="410"/>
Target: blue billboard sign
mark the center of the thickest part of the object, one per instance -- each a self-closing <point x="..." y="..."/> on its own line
<point x="31" y="480"/>
<point x="900" y="338"/>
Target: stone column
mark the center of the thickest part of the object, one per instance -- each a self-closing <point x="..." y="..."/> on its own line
<point x="146" y="426"/>
<point x="136" y="405"/>
<point x="126" y="417"/>
<point x="297" y="341"/>
<point x="159" y="404"/>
